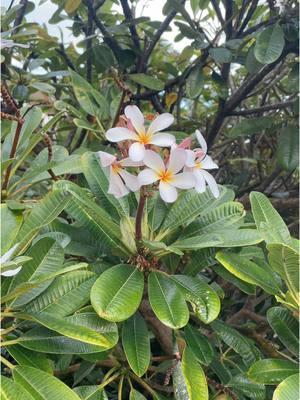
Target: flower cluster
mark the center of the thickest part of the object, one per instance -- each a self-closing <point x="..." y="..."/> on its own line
<point x="181" y="168"/>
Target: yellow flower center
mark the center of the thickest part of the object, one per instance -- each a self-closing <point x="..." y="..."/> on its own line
<point x="144" y="138"/>
<point x="165" y="176"/>
<point x="116" y="168"/>
<point x="198" y="165"/>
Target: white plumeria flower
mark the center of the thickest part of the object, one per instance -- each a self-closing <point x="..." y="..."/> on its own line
<point x="121" y="182"/>
<point x="7" y="257"/>
<point x="143" y="136"/>
<point x="167" y="175"/>
<point x="197" y="162"/>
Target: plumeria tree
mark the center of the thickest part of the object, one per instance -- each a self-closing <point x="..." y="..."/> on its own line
<point x="142" y="255"/>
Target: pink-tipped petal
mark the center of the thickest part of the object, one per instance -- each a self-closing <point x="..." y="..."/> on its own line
<point x="201" y="141"/>
<point x="186" y="143"/>
<point x="163" y="139"/>
<point x="154" y="161"/>
<point x="208" y="163"/>
<point x="177" y="160"/>
<point x="167" y="192"/>
<point x="211" y="183"/>
<point x="190" y="158"/>
<point x="131" y="181"/>
<point x="119" y="134"/>
<point x="147" y="176"/>
<point x="135" y="116"/>
<point x="137" y="152"/>
<point x="116" y="186"/>
<point x="106" y="159"/>
<point x="185" y="180"/>
<point x="161" y="122"/>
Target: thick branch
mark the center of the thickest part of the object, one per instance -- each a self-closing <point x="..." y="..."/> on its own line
<point x="132" y="27"/>
<point x="216" y="7"/>
<point x="249" y="15"/>
<point x="20" y="14"/>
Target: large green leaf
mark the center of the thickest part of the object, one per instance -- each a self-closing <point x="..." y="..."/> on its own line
<point x="147" y="81"/>
<point x="268" y="221"/>
<point x="93" y="218"/>
<point x="248" y="271"/>
<point x="285" y="261"/>
<point x="11" y="390"/>
<point x="236" y="341"/>
<point x="194" y="83"/>
<point x="251" y="126"/>
<point x="65" y="295"/>
<point x="288" y="148"/>
<point x="98" y="182"/>
<point x="167" y="301"/>
<point x="191" y="204"/>
<point x="10" y="225"/>
<point x="288" y="389"/>
<point x="245" y="387"/>
<point x="42" y="214"/>
<point x="218" y="218"/>
<point x="136" y="344"/>
<point x="272" y="371"/>
<point x="194" y="376"/>
<point x="269" y="44"/>
<point x="86" y="327"/>
<point x="117" y="293"/>
<point x="199" y="344"/>
<point x="31" y="358"/>
<point x="42" y="386"/>
<point x="203" y="298"/>
<point x="242" y="285"/>
<point x="285" y="326"/>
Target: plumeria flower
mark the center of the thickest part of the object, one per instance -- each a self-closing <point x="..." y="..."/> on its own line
<point x="121" y="182"/>
<point x="197" y="162"/>
<point x="143" y="136"/>
<point x="6" y="258"/>
<point x="167" y="175"/>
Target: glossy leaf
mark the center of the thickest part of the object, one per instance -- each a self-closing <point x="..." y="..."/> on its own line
<point x="288" y="389"/>
<point x="31" y="358"/>
<point x="148" y="81"/>
<point x="288" y="148"/>
<point x="11" y="390"/>
<point x="272" y="371"/>
<point x="10" y="224"/>
<point x="194" y="376"/>
<point x="199" y="344"/>
<point x="269" y="44"/>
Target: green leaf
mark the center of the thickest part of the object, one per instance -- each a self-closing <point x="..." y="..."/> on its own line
<point x="285" y="261"/>
<point x="203" y="298"/>
<point x="272" y="371"/>
<point x="251" y="126"/>
<point x="269" y="44"/>
<point x="43" y="87"/>
<point x="288" y="389"/>
<point x="11" y="390"/>
<point x="285" y="326"/>
<point x="221" y="55"/>
<point x="227" y="276"/>
<point x="288" y="148"/>
<point x="98" y="182"/>
<point x="148" y="81"/>
<point x="136" y="344"/>
<point x="194" y="83"/>
<point x="86" y="327"/>
<point x="117" y="293"/>
<point x="268" y="221"/>
<point x="42" y="386"/>
<point x="194" y="376"/>
<point x="248" y="271"/>
<point x="135" y="395"/>
<point x="236" y="341"/>
<point x="31" y="358"/>
<point x="71" y="6"/>
<point x="199" y="344"/>
<point x="167" y="301"/>
<point x="42" y="214"/>
<point x="10" y="225"/>
<point x="90" y="392"/>
<point x="245" y="387"/>
<point x="251" y="62"/>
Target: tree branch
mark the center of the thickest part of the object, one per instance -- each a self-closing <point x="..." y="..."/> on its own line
<point x="249" y="15"/>
<point x="132" y="27"/>
<point x="268" y="107"/>
<point x="216" y="7"/>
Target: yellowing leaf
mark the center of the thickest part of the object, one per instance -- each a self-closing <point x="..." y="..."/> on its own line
<point x="171" y="99"/>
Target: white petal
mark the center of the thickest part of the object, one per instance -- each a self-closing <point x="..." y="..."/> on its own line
<point x="131" y="181"/>
<point x="200" y="181"/>
<point x="7" y="256"/>
<point x="137" y="152"/>
<point x="211" y="183"/>
<point x="167" y="192"/>
<point x="177" y="160"/>
<point x="161" y="122"/>
<point x="127" y="162"/>
<point x="201" y="141"/>
<point x="116" y="186"/>
<point x="163" y="139"/>
<point x="106" y="159"/>
<point x="190" y="158"/>
<point x="118" y="134"/>
<point x="11" y="272"/>
<point x="147" y="176"/>
<point x="154" y="161"/>
<point x="136" y="117"/>
<point x="208" y="163"/>
<point x="185" y="180"/>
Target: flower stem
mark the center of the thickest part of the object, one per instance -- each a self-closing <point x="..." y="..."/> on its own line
<point x="139" y="217"/>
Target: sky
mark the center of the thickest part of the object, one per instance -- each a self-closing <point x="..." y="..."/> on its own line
<point x="148" y="8"/>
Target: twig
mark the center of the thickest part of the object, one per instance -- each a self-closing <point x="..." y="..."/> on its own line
<point x="277" y="106"/>
<point x="132" y="27"/>
<point x="20" y="14"/>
